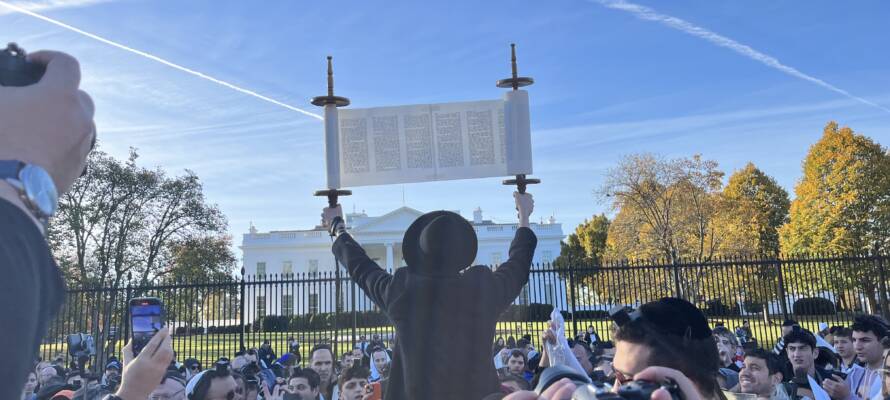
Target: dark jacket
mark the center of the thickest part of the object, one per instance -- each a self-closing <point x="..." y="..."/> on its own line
<point x="457" y="313"/>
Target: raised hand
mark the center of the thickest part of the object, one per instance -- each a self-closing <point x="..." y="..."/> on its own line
<point x="525" y="204"/>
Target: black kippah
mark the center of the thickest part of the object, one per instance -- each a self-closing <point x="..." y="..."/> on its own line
<point x="676" y="317"/>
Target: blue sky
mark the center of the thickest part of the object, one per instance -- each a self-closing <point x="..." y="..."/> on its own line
<point x="607" y="84"/>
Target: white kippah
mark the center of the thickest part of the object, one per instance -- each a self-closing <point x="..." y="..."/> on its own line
<point x="190" y="387"/>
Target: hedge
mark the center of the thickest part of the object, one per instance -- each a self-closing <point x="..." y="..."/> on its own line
<point x="813" y="306"/>
<point x="718" y="308"/>
<point x="320" y="321"/>
<point x="523" y="313"/>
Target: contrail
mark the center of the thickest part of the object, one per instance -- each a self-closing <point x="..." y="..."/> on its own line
<point x="648" y="14"/>
<point x="162" y="61"/>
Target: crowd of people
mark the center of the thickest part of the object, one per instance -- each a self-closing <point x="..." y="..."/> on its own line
<point x="836" y="363"/>
<point x="255" y="373"/>
<point x="444" y="311"/>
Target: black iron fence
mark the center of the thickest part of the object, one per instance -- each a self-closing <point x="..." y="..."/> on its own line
<point x="216" y="318"/>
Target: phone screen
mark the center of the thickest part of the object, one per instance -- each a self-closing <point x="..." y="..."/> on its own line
<point x="146" y="318"/>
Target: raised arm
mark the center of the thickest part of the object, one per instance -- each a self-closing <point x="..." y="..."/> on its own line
<point x="372" y="279"/>
<point x="512" y="275"/>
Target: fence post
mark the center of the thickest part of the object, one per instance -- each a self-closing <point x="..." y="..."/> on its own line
<point x="241" y="313"/>
<point x="126" y="321"/>
<point x="354" y="316"/>
<point x="678" y="291"/>
<point x="882" y="285"/>
<point x="572" y="293"/>
<point x="783" y="298"/>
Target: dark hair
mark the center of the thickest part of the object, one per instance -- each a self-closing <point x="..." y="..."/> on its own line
<point x="356" y="372"/>
<point x="773" y="363"/>
<point x="309" y="374"/>
<point x="696" y="358"/>
<point x="517" y="353"/>
<point x="508" y="377"/>
<point x="511" y="342"/>
<point x="320" y="347"/>
<point x="722" y="331"/>
<point x="203" y="384"/>
<point x="522" y="343"/>
<point x="175" y="375"/>
<point x="800" y="336"/>
<point x="377" y="350"/>
<point x="827" y="357"/>
<point x="789" y="322"/>
<point x="843" y="332"/>
<point x="870" y="323"/>
<point x="605" y="345"/>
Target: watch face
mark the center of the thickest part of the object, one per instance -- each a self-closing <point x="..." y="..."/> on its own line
<point x="40" y="189"/>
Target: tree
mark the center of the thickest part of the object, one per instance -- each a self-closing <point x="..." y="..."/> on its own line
<point x="201" y="260"/>
<point x="842" y="205"/>
<point x="666" y="210"/>
<point x="587" y="245"/>
<point x="752" y="208"/>
<point x="118" y="221"/>
<point x="665" y="207"/>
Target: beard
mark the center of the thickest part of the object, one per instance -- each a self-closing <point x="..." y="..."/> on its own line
<point x="293" y="396"/>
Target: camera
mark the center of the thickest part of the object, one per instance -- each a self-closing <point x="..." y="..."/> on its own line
<point x="636" y="390"/>
<point x="81" y="345"/>
<point x="16" y="70"/>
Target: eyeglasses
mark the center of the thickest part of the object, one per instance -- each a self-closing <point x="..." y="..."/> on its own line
<point x="195" y="368"/>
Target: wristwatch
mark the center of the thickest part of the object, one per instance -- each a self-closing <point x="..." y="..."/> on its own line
<point x="35" y="186"/>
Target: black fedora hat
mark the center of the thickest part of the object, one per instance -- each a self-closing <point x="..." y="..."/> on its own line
<point x="439" y="243"/>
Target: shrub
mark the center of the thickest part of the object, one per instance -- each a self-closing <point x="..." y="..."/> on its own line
<point x="592" y="314"/>
<point x="753" y="307"/>
<point x="718" y="308"/>
<point x="813" y="306"/>
<point x="531" y="312"/>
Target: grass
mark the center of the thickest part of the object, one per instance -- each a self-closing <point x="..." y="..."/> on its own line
<point x="208" y="348"/>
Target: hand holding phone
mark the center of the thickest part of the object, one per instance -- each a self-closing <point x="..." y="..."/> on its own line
<point x="146" y="319"/>
<point x="373" y="391"/>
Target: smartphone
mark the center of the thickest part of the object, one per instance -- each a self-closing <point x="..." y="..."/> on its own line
<point x="840" y="374"/>
<point x="146" y="319"/>
<point x="376" y="391"/>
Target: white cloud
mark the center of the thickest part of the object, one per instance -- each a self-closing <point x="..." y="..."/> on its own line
<point x="47" y="5"/>
<point x="648" y="14"/>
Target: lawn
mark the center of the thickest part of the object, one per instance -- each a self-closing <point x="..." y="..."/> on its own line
<point x="208" y="348"/>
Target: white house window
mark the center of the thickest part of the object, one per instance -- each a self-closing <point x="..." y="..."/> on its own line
<point x="312" y="268"/>
<point x="260" y="306"/>
<point x="287" y="304"/>
<point x="313" y="303"/>
<point x="261" y="269"/>
<point x="287" y="268"/>
<point x="495" y="259"/>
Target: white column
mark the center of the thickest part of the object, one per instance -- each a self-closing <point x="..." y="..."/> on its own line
<point x="389" y="257"/>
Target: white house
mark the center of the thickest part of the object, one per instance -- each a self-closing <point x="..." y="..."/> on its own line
<point x="307" y="254"/>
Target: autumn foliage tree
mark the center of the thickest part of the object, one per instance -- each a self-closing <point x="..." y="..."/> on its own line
<point x="752" y="209"/>
<point x="842" y="205"/>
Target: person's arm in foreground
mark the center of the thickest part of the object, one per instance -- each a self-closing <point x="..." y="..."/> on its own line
<point x="143" y="373"/>
<point x="512" y="275"/>
<point x="50" y="125"/>
<point x="372" y="279"/>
